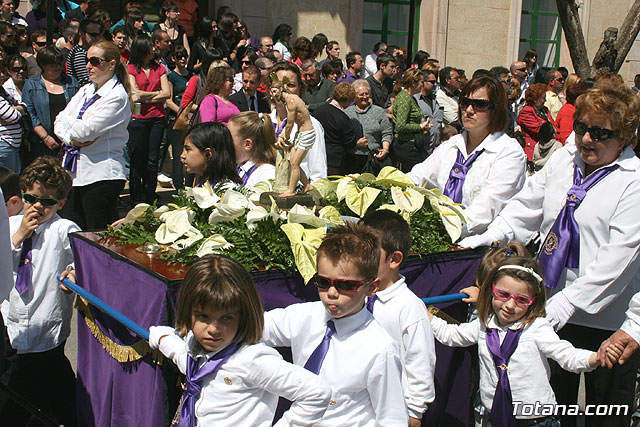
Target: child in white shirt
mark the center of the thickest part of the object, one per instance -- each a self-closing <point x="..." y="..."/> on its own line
<point x="402" y="314"/>
<point x="39" y="313"/>
<point x="511" y="303"/>
<point x="232" y="378"/>
<point x="340" y="340"/>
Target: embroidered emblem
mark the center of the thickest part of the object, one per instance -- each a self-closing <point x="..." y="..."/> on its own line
<point x="332" y="402"/>
<point x="227" y="380"/>
<point x="475" y="191"/>
<point x="503" y="367"/>
<point x="551" y="243"/>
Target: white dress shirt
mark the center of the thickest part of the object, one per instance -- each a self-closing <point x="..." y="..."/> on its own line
<point x="314" y="164"/>
<point x="404" y="316"/>
<point x="245" y="389"/>
<point x="600" y="289"/>
<point x="40" y="320"/>
<point x="631" y="324"/>
<point x="6" y="269"/>
<point x="528" y="369"/>
<point x="362" y="365"/>
<point x="493" y="178"/>
<point x="286" y="55"/>
<point x="262" y="173"/>
<point x="105" y="123"/>
<point x="370" y="65"/>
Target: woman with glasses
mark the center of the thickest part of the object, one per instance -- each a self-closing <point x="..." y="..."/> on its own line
<point x="481" y="168"/>
<point x="45" y="96"/>
<point x="17" y="68"/>
<point x="148" y="79"/>
<point x="169" y="15"/>
<point x="584" y="205"/>
<point x="533" y="115"/>
<point x="93" y="129"/>
<point x="244" y="33"/>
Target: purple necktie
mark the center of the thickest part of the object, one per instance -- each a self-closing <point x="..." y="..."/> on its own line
<point x="23" y="278"/>
<point x="453" y="188"/>
<point x="317" y="357"/>
<point x="561" y="247"/>
<point x="70" y="160"/>
<point x="193" y="388"/>
<point x="247" y="174"/>
<point x="502" y="408"/>
<point x="370" y="301"/>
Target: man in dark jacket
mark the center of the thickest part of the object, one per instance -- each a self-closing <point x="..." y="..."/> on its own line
<point x="249" y="98"/>
<point x="319" y="90"/>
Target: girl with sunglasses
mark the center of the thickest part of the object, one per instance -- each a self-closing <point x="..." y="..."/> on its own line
<point x="514" y="341"/>
<point x="583" y="203"/>
<point x="481" y="168"/>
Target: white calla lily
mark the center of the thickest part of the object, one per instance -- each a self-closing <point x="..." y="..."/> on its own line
<point x="299" y="214"/>
<point x="360" y="200"/>
<point x="203" y="196"/>
<point x="325" y="186"/>
<point x="162" y="209"/>
<point x="213" y="244"/>
<point x="176" y="224"/>
<point x="190" y="237"/>
<point x="231" y="206"/>
<point x="392" y="176"/>
<point x="137" y="213"/>
<point x="258" y="213"/>
<point x="451" y="213"/>
<point x="304" y="244"/>
<point x="344" y="184"/>
<point x="409" y="199"/>
<point x="331" y="216"/>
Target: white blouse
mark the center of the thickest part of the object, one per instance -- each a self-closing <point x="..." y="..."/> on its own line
<point x="600" y="289"/>
<point x="262" y="173"/>
<point x="105" y="124"/>
<point x="528" y="369"/>
<point x="245" y="390"/>
<point x="493" y="178"/>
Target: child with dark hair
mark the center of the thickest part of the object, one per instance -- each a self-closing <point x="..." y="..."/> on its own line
<point x="546" y="146"/>
<point x="10" y="184"/>
<point x="39" y="312"/>
<point x="402" y="314"/>
<point x="338" y="338"/>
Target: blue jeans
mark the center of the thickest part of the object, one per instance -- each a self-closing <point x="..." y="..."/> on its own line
<point x="9" y="157"/>
<point x="145" y="136"/>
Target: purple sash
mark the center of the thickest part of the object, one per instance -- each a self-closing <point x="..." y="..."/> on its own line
<point x="561" y="247"/>
<point x="70" y="160"/>
<point x="247" y="174"/>
<point x="314" y="363"/>
<point x="194" y="376"/>
<point x="502" y="407"/>
<point x="453" y="188"/>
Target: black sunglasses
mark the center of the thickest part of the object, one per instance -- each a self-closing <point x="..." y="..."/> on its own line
<point x="41" y="44"/>
<point x="95" y="61"/>
<point x="431" y="81"/>
<point x="181" y="56"/>
<point x="246" y="62"/>
<point x="479" y="105"/>
<point x="18" y="69"/>
<point x="596" y="133"/>
<point x="521" y="69"/>
<point x="340" y="285"/>
<point x="46" y="202"/>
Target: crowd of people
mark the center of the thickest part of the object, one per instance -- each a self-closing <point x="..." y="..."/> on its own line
<point x="534" y="156"/>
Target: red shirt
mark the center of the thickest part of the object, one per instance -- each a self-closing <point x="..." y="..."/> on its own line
<point x="564" y="122"/>
<point x="149" y="84"/>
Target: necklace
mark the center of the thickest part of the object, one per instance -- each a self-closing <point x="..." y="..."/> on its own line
<point x="171" y="31"/>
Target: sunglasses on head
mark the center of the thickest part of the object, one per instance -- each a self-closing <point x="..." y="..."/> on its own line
<point x="95" y="61"/>
<point x="340" y="285"/>
<point x="44" y="201"/>
<point x="521" y="300"/>
<point x="596" y="133"/>
<point x="477" y="104"/>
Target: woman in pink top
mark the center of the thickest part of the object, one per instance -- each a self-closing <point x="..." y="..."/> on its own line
<point x="149" y="82"/>
<point x="216" y="106"/>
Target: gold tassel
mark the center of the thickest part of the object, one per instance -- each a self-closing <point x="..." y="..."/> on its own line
<point x="121" y="353"/>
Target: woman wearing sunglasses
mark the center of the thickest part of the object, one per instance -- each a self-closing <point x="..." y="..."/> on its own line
<point x="482" y="168"/>
<point x="584" y="205"/>
<point x="93" y="129"/>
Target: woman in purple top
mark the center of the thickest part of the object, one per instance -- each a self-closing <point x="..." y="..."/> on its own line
<point x="216" y="106"/>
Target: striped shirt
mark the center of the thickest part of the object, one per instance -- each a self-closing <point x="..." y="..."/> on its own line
<point x="77" y="64"/>
<point x="10" y="129"/>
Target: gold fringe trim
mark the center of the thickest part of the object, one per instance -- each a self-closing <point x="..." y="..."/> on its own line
<point x="121" y="353"/>
<point x="441" y="314"/>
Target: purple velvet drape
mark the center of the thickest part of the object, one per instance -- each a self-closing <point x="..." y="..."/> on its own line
<point x="111" y="393"/>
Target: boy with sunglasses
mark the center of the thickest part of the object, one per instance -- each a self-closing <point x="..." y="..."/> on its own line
<point x="338" y="338"/>
<point x="39" y="314"/>
<point x="402" y="314"/>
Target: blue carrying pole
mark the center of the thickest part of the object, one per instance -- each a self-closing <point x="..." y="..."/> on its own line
<point x="444" y="298"/>
<point x="106" y="308"/>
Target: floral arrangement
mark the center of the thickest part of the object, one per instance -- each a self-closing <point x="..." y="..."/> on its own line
<point x="220" y="219"/>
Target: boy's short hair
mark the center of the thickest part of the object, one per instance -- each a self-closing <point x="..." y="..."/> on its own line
<point x="395" y="234"/>
<point x="49" y="173"/>
<point x="10" y="183"/>
<point x="356" y="243"/>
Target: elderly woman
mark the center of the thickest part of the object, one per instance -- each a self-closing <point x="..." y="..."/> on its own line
<point x="93" y="129"/>
<point x="46" y="95"/>
<point x="409" y="149"/>
<point x="373" y="132"/>
<point x="532" y="116"/>
<point x="482" y="168"/>
<point x="584" y="201"/>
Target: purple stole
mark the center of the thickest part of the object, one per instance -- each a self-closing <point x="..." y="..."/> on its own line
<point x="561" y="247"/>
<point x="280" y="128"/>
<point x="194" y="376"/>
<point x="502" y="407"/>
<point x="370" y="302"/>
<point x="23" y="277"/>
<point x="247" y="174"/>
<point x="453" y="187"/>
<point x="70" y="160"/>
